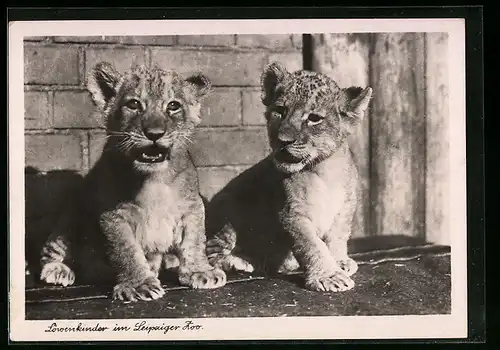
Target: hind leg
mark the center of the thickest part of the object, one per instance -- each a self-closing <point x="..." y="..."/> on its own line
<point x="57" y="259"/>
<point x="290" y="264"/>
<point x="56" y="262"/>
<point x="220" y="249"/>
<point x="154" y="260"/>
<point x="231" y="262"/>
<point x="170" y="261"/>
<point x="194" y="269"/>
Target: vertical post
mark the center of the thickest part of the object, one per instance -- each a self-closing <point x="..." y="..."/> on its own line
<point x="398" y="134"/>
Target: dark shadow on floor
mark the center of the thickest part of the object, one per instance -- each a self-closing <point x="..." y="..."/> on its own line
<point x="45" y="194"/>
<point x="367" y="244"/>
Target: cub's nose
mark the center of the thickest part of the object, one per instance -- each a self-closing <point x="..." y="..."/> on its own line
<point x="287" y="134"/>
<point x="286" y="140"/>
<point x="154" y="134"/>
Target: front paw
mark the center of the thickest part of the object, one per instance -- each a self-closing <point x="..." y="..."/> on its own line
<point x="349" y="266"/>
<point x="339" y="281"/>
<point x="210" y="279"/>
<point x="149" y="289"/>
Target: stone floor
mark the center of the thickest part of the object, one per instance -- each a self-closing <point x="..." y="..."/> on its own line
<point x="406" y="280"/>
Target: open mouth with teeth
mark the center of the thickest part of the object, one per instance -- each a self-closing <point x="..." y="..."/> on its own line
<point x="283" y="156"/>
<point x="153" y="154"/>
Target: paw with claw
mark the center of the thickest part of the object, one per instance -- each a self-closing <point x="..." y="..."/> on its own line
<point x="338" y="281"/>
<point x="149" y="289"/>
<point x="210" y="279"/>
<point x="349" y="266"/>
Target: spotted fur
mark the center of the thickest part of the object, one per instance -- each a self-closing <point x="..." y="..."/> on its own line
<point x="140" y="204"/>
<point x="295" y="207"/>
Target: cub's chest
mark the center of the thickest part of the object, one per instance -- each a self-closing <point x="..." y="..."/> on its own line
<point x="162" y="209"/>
<point x="319" y="200"/>
<point x="155" y="194"/>
<point x="325" y="197"/>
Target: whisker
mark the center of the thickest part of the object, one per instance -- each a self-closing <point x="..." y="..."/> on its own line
<point x="131" y="145"/>
<point x="186" y="137"/>
<point x="186" y="142"/>
<point x="133" y="133"/>
<point x="127" y="134"/>
<point x="120" y="147"/>
<point x="115" y="135"/>
<point x="125" y="145"/>
<point x="127" y="140"/>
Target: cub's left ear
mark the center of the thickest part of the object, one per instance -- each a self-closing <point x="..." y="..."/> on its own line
<point x="272" y="76"/>
<point x="358" y="99"/>
<point x="200" y="83"/>
<point x="356" y="105"/>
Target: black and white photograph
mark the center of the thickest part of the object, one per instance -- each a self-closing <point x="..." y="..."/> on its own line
<point x="176" y="180"/>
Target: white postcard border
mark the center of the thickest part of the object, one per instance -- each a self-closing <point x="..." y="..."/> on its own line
<point x="338" y="327"/>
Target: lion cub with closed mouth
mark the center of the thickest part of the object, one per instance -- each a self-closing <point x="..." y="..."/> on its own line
<point x="295" y="207"/>
<point x="140" y="205"/>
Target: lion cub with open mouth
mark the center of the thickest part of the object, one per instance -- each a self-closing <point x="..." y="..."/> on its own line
<point x="140" y="204"/>
<point x="295" y="207"/>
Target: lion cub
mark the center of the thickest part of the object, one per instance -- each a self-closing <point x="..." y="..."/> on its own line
<point x="140" y="204"/>
<point x="295" y="207"/>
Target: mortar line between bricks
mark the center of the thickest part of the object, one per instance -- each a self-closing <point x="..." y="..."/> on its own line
<point x="224" y="166"/>
<point x="78" y="88"/>
<point x="232" y="128"/>
<point x="148" y="56"/>
<point x="255" y="87"/>
<point x="52" y="118"/>
<point x="242" y="111"/>
<point x="224" y="128"/>
<point x="65" y="131"/>
<point x="81" y="65"/>
<point x="34" y="41"/>
<point x="226" y="48"/>
<point x="173" y="47"/>
<point x="84" y="144"/>
<point x="227" y="165"/>
<point x="206" y="48"/>
<point x="45" y="87"/>
<point x="90" y="133"/>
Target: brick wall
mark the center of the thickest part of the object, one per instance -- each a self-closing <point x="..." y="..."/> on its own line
<point x="65" y="136"/>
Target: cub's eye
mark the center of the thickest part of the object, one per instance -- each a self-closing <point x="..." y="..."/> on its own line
<point x="173" y="106"/>
<point x="278" y="111"/>
<point x="314" y="119"/>
<point x="133" y="104"/>
<point x="276" y="114"/>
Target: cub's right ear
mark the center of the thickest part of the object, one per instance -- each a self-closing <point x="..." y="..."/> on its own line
<point x="271" y="77"/>
<point x="102" y="83"/>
